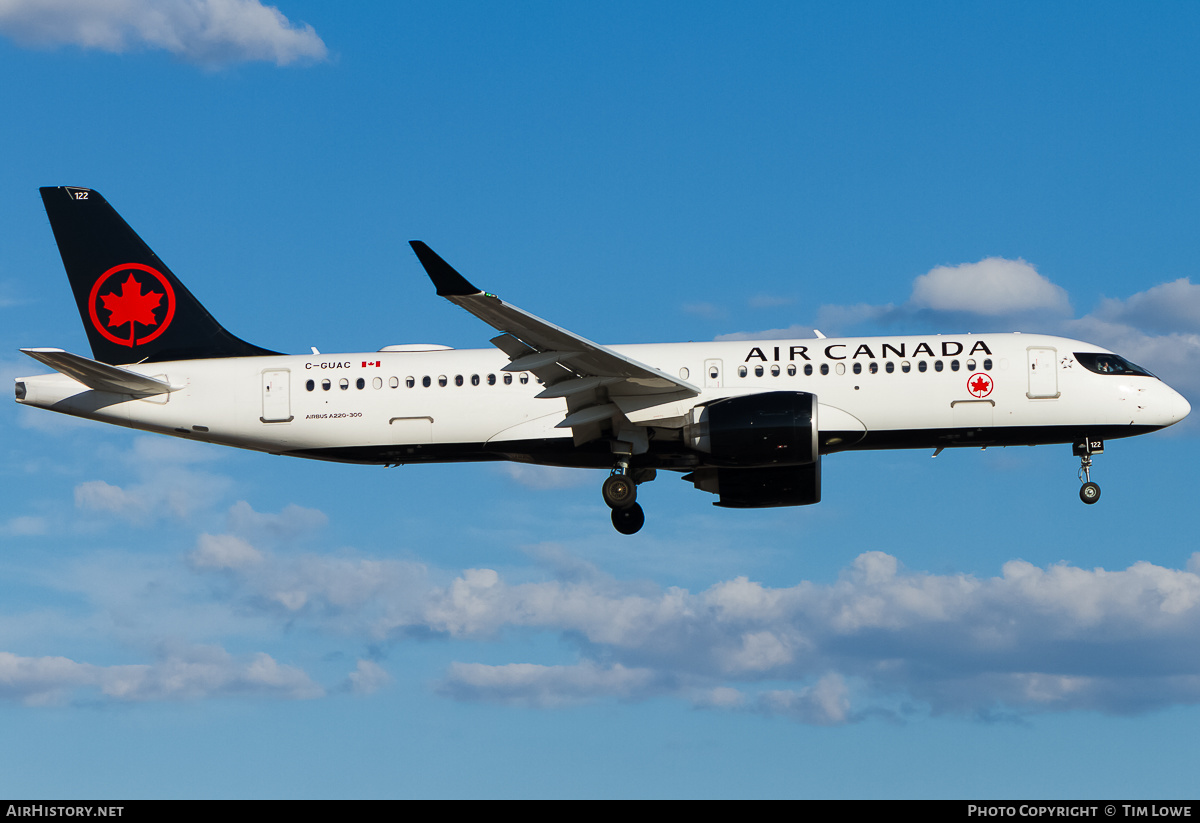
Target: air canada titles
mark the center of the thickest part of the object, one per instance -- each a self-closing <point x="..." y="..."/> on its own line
<point x="841" y="351"/>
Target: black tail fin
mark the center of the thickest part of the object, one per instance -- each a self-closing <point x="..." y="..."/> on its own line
<point x="133" y="308"/>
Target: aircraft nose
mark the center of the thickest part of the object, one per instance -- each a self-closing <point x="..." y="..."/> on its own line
<point x="1181" y="407"/>
<point x="1174" y="406"/>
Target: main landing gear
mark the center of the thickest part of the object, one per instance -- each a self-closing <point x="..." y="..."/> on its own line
<point x="1084" y="448"/>
<point x="620" y="493"/>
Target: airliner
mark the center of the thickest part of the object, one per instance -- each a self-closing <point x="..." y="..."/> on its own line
<point x="746" y="421"/>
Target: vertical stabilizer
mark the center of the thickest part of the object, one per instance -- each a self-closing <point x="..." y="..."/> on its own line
<point x="133" y="307"/>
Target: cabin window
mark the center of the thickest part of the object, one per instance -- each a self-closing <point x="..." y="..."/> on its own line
<point x="310" y="385"/>
<point x="714" y="373"/>
<point x="394" y="382"/>
<point x="874" y="367"/>
<point x="905" y="366"/>
<point x="507" y="379"/>
<point x="326" y="385"/>
<point x="410" y="381"/>
<point x="360" y="383"/>
<point x="491" y="379"/>
<point x="953" y="365"/>
<point x="377" y="382"/>
<point x="758" y="371"/>
<point x="889" y="367"/>
<point x="808" y="369"/>
<point x="922" y="365"/>
<point x="443" y="380"/>
<point x="524" y="378"/>
<point x="858" y="368"/>
<point x="742" y="371"/>
<point x="426" y="382"/>
<point x="458" y="380"/>
<point x="840" y="368"/>
<point x="683" y="373"/>
<point x="474" y="380"/>
<point x="937" y="365"/>
<point x="775" y="371"/>
<point x="987" y="364"/>
<point x="791" y="369"/>
<point x="344" y="384"/>
<point x="824" y="368"/>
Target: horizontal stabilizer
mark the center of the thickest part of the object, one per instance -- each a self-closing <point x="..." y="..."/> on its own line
<point x="100" y="376"/>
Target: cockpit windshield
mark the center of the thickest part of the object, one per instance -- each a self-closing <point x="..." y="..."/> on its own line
<point x="1109" y="364"/>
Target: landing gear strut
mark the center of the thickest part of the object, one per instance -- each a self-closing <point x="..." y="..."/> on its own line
<point x="620" y="494"/>
<point x="1089" y="492"/>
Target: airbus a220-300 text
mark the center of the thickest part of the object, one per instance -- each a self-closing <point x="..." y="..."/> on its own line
<point x="748" y="422"/>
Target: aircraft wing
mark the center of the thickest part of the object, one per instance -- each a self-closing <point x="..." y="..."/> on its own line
<point x="598" y="383"/>
<point x="100" y="376"/>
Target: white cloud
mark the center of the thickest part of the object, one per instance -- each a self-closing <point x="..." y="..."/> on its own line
<point x="292" y="522"/>
<point x="168" y="491"/>
<point x="825" y="703"/>
<point x="207" y="32"/>
<point x="1167" y="307"/>
<point x="188" y="674"/>
<point x="527" y="684"/>
<point x="368" y="677"/>
<point x="1028" y="640"/>
<point x="165" y="486"/>
<point x="223" y="551"/>
<point x="769" y="334"/>
<point x="993" y="286"/>
<point x="24" y="526"/>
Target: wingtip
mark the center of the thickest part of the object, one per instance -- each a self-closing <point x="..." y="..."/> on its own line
<point x="449" y="283"/>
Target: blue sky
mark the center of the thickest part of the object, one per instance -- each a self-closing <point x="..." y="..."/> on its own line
<point x="185" y="621"/>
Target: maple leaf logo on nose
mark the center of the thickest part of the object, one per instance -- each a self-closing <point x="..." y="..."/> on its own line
<point x="131" y="306"/>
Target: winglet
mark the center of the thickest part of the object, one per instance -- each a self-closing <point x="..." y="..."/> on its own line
<point x="449" y="283"/>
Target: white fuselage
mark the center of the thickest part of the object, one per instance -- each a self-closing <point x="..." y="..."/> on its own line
<point x="447" y="405"/>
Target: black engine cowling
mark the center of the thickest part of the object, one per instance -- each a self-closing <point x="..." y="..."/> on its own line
<point x="761" y="450"/>
<point x="770" y="429"/>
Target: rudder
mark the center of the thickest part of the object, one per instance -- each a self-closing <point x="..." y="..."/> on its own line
<point x="133" y="307"/>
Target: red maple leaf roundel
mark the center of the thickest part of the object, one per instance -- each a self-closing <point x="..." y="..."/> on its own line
<point x="980" y="385"/>
<point x="139" y="309"/>
<point x="131" y="306"/>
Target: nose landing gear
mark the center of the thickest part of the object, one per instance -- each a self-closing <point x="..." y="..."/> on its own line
<point x="1084" y="448"/>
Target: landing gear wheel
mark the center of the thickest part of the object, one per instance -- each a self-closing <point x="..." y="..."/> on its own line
<point x="1089" y="493"/>
<point x="628" y="520"/>
<point x="620" y="492"/>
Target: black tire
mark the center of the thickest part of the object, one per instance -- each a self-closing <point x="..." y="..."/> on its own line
<point x="628" y="520"/>
<point x="619" y="491"/>
<point x="1089" y="493"/>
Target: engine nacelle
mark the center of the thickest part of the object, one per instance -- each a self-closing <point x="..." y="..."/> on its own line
<point x="770" y="429"/>
<point x="761" y="488"/>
